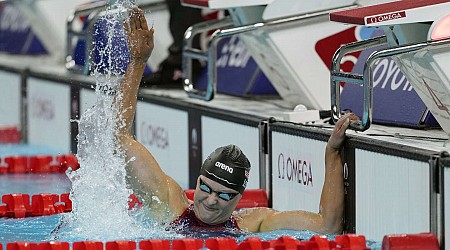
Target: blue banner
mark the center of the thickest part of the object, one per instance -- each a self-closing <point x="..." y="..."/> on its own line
<point x="394" y="100"/>
<point x="16" y="34"/>
<point x="110" y="49"/>
<point x="237" y="72"/>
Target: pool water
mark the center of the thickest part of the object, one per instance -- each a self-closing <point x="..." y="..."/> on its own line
<point x="33" y="229"/>
<point x="34" y="183"/>
<point x="38" y="229"/>
<point x="27" y="150"/>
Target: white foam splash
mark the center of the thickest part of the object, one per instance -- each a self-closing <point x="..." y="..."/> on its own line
<point x="99" y="190"/>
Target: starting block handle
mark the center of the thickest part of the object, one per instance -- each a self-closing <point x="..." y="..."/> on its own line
<point x="223" y="30"/>
<point x="336" y="76"/>
<point x="190" y="53"/>
<point x="366" y="79"/>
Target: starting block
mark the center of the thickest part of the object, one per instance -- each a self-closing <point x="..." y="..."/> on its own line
<point x="417" y="38"/>
<point x="291" y="41"/>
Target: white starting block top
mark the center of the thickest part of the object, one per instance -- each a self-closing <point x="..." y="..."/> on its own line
<point x="223" y="4"/>
<point x="398" y="12"/>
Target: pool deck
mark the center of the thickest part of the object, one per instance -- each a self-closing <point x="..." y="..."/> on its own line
<point x="263" y="107"/>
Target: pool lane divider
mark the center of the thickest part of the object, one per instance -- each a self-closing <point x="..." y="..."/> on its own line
<point x="317" y="242"/>
<point x="39" y="164"/>
<point x="349" y="241"/>
<point x="19" y="206"/>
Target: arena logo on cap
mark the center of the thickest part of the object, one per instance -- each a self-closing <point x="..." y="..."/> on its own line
<point x="224" y="167"/>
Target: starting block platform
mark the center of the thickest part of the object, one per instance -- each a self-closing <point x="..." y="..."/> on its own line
<point x="412" y="42"/>
<point x="397" y="12"/>
<point x="267" y="28"/>
<point x="222" y="4"/>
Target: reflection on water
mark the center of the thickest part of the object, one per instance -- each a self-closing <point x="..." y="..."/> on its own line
<point x="34" y="183"/>
<point x="34" y="229"/>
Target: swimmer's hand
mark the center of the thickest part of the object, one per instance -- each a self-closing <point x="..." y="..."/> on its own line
<point x="338" y="135"/>
<point x="140" y="38"/>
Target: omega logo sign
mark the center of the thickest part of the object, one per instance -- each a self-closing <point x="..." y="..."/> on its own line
<point x="42" y="108"/>
<point x="295" y="170"/>
<point x="154" y="135"/>
<point x="386" y="17"/>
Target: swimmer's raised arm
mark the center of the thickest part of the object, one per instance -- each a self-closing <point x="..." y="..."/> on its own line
<point x="331" y="211"/>
<point x="146" y="177"/>
<point x="331" y="207"/>
<point x="140" y="46"/>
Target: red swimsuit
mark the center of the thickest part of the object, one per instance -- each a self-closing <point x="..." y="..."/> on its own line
<point x="188" y="223"/>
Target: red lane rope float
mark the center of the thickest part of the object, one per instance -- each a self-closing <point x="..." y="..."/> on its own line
<point x="410" y="241"/>
<point x="188" y="243"/>
<point x="342" y="242"/>
<point x="155" y="244"/>
<point x="87" y="245"/>
<point x="251" y="243"/>
<point x="38" y="164"/>
<point x="9" y="135"/>
<point x="121" y="245"/>
<point x="52" y="245"/>
<point x="221" y="243"/>
<point x="18" y="205"/>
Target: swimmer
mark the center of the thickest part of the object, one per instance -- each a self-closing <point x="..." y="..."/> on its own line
<point x="223" y="175"/>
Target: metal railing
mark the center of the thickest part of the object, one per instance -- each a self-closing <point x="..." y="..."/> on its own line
<point x="190" y="53"/>
<point x="365" y="80"/>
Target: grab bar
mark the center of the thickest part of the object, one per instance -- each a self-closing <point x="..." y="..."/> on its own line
<point x="190" y="53"/>
<point x="336" y="76"/>
<point x="366" y="79"/>
<point x="92" y="10"/>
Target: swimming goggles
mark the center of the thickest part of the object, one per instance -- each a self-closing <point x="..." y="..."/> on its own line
<point x="224" y="196"/>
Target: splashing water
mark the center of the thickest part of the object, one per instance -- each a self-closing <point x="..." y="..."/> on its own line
<point x="99" y="190"/>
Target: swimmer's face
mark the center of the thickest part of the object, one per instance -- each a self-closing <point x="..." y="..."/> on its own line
<point x="209" y="207"/>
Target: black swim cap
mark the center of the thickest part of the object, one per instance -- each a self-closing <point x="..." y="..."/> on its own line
<point x="228" y="166"/>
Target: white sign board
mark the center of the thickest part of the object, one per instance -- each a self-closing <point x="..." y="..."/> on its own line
<point x="49" y="114"/>
<point x="217" y="133"/>
<point x="298" y="172"/>
<point x="392" y="195"/>
<point x="10" y="111"/>
<point x="164" y="132"/>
